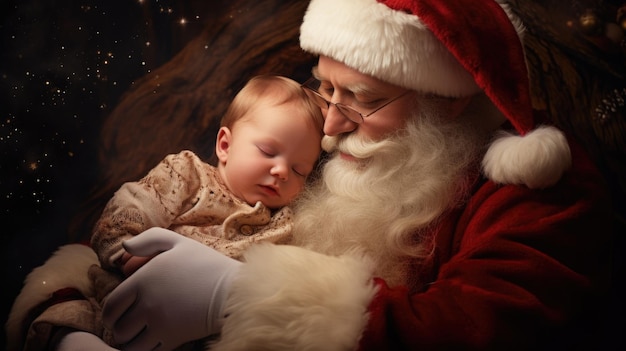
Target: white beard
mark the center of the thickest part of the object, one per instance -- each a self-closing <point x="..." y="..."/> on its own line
<point x="384" y="203"/>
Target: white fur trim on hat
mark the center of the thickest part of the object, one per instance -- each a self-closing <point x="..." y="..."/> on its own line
<point x="289" y="298"/>
<point x="390" y="45"/>
<point x="537" y="160"/>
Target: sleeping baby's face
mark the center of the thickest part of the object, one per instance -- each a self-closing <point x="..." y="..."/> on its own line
<point x="268" y="154"/>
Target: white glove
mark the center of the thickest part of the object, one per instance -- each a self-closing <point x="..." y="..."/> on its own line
<point x="176" y="297"/>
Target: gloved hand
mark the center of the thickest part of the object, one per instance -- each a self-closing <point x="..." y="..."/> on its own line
<point x="176" y="297"/>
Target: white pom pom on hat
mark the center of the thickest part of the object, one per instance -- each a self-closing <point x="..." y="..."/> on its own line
<point x="451" y="48"/>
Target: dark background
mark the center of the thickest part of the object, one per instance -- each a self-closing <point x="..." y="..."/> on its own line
<point x="71" y="72"/>
<point x="63" y="66"/>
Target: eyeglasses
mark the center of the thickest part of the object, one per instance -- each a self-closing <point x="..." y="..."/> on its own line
<point x="311" y="88"/>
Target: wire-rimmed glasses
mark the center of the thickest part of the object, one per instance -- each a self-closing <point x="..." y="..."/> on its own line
<point x="311" y="88"/>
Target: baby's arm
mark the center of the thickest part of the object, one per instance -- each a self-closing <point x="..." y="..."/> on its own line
<point x="156" y="200"/>
<point x="129" y="263"/>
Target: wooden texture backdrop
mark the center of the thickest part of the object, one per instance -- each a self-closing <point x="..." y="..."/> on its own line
<point x="579" y="79"/>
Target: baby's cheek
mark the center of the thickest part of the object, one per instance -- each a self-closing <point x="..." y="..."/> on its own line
<point x="296" y="190"/>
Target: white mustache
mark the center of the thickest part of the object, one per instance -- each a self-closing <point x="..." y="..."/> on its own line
<point x="353" y="145"/>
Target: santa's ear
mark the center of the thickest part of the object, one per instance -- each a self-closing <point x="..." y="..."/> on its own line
<point x="222" y="144"/>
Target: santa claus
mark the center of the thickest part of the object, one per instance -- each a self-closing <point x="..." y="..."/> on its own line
<point x="447" y="216"/>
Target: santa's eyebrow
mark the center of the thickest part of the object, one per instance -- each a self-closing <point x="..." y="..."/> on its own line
<point x="315" y="73"/>
<point x="357" y="88"/>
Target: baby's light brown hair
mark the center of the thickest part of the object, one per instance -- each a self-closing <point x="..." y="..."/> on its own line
<point x="277" y="90"/>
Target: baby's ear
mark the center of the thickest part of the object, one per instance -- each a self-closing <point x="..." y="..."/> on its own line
<point x="222" y="144"/>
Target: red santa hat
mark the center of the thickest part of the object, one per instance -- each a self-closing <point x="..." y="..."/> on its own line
<point x="451" y="48"/>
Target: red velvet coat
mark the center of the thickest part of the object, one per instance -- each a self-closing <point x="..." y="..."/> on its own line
<point x="514" y="265"/>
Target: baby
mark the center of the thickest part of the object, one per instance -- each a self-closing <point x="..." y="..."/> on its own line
<point x="268" y="144"/>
